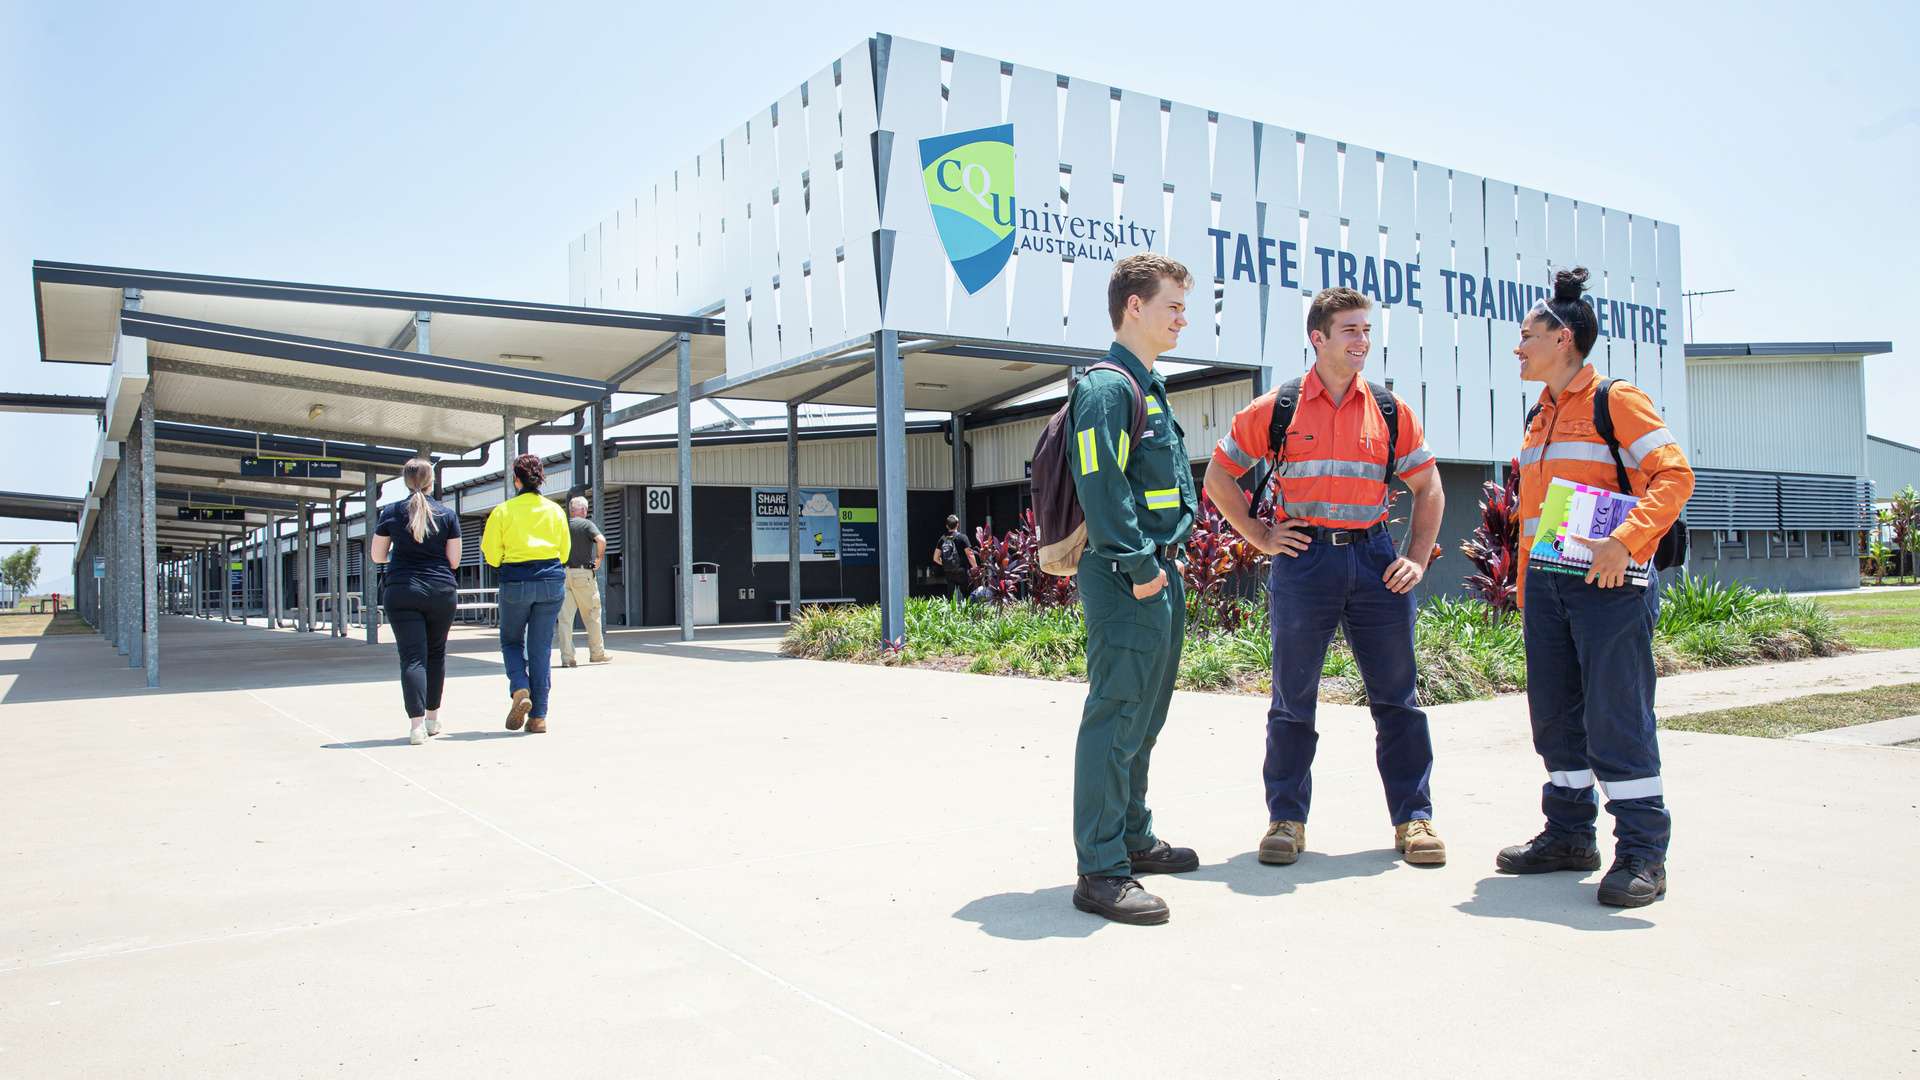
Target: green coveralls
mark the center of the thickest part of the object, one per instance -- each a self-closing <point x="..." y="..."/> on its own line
<point x="1139" y="503"/>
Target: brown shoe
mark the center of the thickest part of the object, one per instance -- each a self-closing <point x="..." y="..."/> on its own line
<point x="537" y="725"/>
<point x="569" y="663"/>
<point x="1284" y="842"/>
<point x="517" y="715"/>
<point x="601" y="659"/>
<point x="1419" y="843"/>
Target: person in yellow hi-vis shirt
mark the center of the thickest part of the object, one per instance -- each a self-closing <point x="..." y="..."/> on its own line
<point x="528" y="540"/>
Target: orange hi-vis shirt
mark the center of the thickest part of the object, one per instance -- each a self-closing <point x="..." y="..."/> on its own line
<point x="1334" y="471"/>
<point x="1562" y="443"/>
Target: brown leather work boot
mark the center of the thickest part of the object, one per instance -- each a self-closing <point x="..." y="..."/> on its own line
<point x="1419" y="843"/>
<point x="536" y="725"/>
<point x="1284" y="842"/>
<point x="517" y="714"/>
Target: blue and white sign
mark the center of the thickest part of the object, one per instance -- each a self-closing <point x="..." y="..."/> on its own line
<point x="819" y="524"/>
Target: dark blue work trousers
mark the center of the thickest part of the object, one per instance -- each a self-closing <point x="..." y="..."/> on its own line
<point x="1332" y="586"/>
<point x="1590" y="678"/>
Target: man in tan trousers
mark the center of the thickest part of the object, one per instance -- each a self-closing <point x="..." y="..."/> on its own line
<point x="583" y="586"/>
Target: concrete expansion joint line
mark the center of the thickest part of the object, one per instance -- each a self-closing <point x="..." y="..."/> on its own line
<point x="661" y="916"/>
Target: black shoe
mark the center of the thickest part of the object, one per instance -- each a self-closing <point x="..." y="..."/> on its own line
<point x="1163" y="858"/>
<point x="1633" y="881"/>
<point x="1120" y="899"/>
<point x="1547" y="852"/>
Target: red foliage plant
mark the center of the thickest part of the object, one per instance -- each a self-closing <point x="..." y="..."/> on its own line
<point x="1216" y="557"/>
<point x="1494" y="547"/>
<point x="1010" y="567"/>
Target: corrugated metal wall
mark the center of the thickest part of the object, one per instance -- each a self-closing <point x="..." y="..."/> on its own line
<point x="1892" y="466"/>
<point x="1001" y="453"/>
<point x="847" y="463"/>
<point x="1791" y="415"/>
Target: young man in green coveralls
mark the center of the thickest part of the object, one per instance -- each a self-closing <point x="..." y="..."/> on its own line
<point x="1140" y="504"/>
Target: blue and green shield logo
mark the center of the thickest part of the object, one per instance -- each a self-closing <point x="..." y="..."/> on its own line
<point x="969" y="178"/>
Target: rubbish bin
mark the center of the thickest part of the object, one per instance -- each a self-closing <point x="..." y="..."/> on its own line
<point x="706" y="593"/>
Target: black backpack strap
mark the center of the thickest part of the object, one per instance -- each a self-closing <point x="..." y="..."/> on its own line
<point x="1603" y="423"/>
<point x="1285" y="401"/>
<point x="1527" y="424"/>
<point x="1389" y="411"/>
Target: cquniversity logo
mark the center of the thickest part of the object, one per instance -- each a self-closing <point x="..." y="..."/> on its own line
<point x="969" y="178"/>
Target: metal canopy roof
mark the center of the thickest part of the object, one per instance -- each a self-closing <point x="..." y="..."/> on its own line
<point x="30" y="507"/>
<point x="76" y="304"/>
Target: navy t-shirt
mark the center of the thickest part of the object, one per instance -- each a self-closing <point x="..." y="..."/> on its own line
<point x="409" y="560"/>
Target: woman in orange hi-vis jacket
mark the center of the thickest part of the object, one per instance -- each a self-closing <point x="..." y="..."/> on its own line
<point x="1589" y="639"/>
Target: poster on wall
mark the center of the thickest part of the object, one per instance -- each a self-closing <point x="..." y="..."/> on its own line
<point x="819" y="524"/>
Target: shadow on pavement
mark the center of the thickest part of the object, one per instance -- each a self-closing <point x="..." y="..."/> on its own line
<point x="1561" y="899"/>
<point x="1031" y="916"/>
<point x="1248" y="876"/>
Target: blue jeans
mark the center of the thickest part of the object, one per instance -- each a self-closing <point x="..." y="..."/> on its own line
<point x="1590" y="681"/>
<point x="529" y="612"/>
<point x="1325" y="587"/>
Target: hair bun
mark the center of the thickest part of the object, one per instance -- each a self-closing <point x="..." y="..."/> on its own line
<point x="1569" y="284"/>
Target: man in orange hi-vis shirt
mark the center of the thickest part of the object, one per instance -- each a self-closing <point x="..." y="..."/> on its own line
<point x="1589" y="637"/>
<point x="1337" y="453"/>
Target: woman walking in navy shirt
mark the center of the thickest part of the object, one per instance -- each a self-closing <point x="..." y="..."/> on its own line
<point x="419" y="541"/>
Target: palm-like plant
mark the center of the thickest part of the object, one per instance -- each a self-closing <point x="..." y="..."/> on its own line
<point x="1494" y="547"/>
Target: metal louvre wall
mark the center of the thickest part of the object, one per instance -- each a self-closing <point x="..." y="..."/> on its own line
<point x="845" y="463"/>
<point x="1001" y="452"/>
<point x="1244" y="204"/>
<point x="613" y="522"/>
<point x="1746" y="403"/>
<point x="470" y="531"/>
<point x="1724" y="499"/>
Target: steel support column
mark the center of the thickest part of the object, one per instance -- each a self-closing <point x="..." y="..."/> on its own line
<point x="599" y="497"/>
<point x="793" y="509"/>
<point x="149" y="547"/>
<point x="960" y="469"/>
<point x="684" y="441"/>
<point x="890" y="420"/>
<point x="369" y="582"/>
<point x="226" y="579"/>
<point x="303" y="567"/>
<point x="337" y="569"/>
<point x="506" y="457"/>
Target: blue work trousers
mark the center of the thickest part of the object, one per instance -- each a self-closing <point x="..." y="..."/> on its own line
<point x="529" y="614"/>
<point x="1590" y="678"/>
<point x="1332" y="586"/>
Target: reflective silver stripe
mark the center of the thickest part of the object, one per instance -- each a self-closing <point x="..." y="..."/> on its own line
<point x="1530" y="526"/>
<point x="1414" y="460"/>
<point x="1359" y="470"/>
<point x="1331" y="511"/>
<point x="1648" y="443"/>
<point x="1578" y="778"/>
<point x="1163" y="498"/>
<point x="1531" y="454"/>
<point x="1571" y="451"/>
<point x="1646" y="787"/>
<point x="1239" y="457"/>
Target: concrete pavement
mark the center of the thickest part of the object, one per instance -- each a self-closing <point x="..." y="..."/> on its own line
<point x="726" y="863"/>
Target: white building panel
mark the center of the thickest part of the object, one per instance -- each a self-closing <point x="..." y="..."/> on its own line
<point x="1188" y="170"/>
<point x="827" y="224"/>
<point x="796" y="244"/>
<point x="1039" y="303"/>
<point x="1233" y="170"/>
<point x="1674" y="403"/>
<point x="973" y="101"/>
<point x="1503" y="262"/>
<point x="859" y="274"/>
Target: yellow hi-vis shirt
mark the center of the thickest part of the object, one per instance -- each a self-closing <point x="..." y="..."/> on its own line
<point x="526" y="528"/>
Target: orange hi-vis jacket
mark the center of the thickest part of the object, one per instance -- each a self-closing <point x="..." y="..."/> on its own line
<point x="1334" y="472"/>
<point x="1562" y="443"/>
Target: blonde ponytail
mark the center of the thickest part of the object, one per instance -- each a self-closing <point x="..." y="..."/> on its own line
<point x="418" y="475"/>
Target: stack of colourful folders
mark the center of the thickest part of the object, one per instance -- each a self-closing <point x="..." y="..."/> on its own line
<point x="1574" y="515"/>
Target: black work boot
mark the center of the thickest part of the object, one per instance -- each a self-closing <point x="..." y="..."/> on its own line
<point x="1547" y="852"/>
<point x="1120" y="899"/>
<point x="1163" y="858"/>
<point x="1633" y="881"/>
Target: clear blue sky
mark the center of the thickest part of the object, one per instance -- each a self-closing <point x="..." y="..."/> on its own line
<point x="456" y="147"/>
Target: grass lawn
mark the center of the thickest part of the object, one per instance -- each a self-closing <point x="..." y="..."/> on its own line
<point x="27" y="624"/>
<point x="1796" y="716"/>
<point x="1877" y="620"/>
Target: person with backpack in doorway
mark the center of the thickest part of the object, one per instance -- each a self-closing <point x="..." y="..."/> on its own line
<point x="954" y="555"/>
<point x="1133" y="482"/>
<point x="1589" y="638"/>
<point x="1337" y="441"/>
